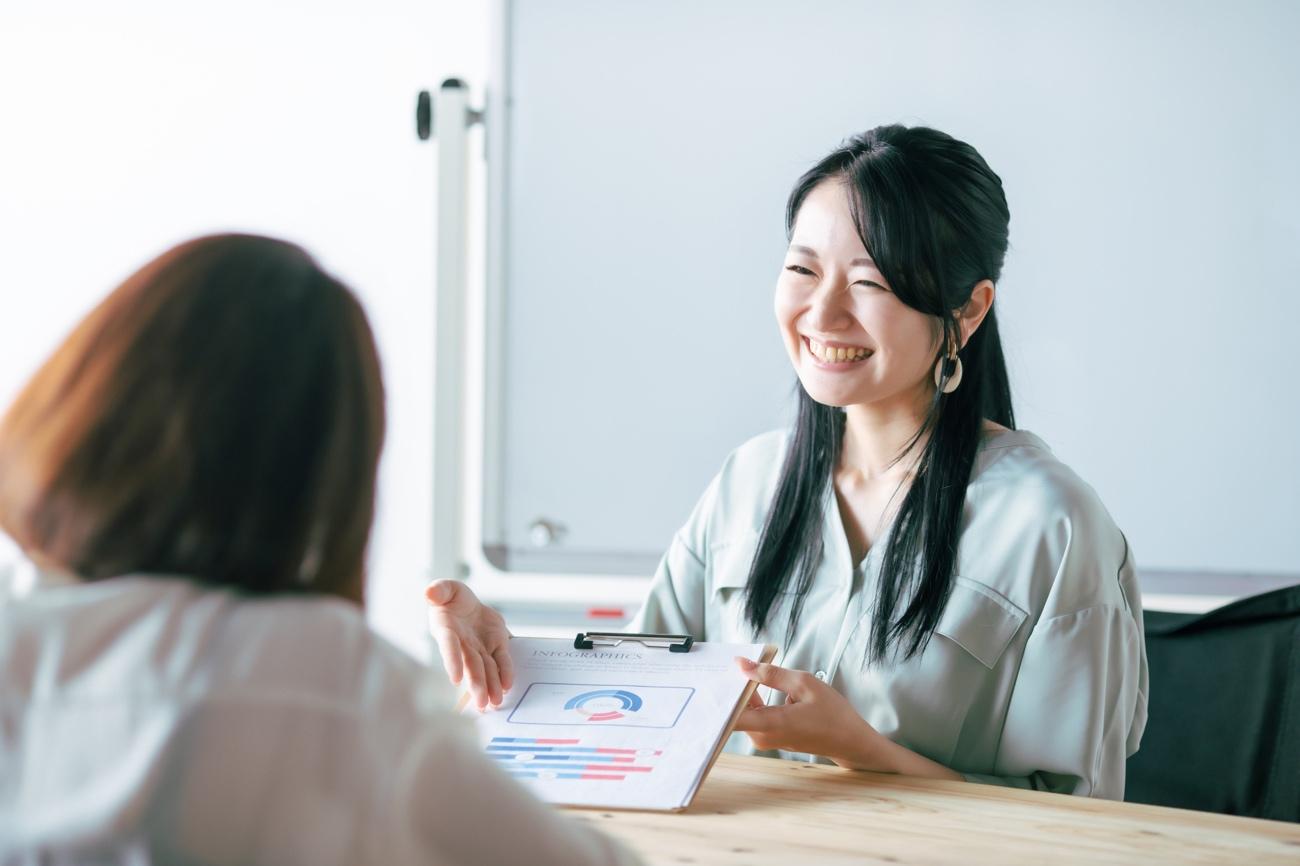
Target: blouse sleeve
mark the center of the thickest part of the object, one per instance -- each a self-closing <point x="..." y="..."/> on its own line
<point x="675" y="603"/>
<point x="1078" y="706"/>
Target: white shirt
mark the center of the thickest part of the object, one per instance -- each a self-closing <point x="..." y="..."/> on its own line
<point x="1036" y="676"/>
<point x="148" y="719"/>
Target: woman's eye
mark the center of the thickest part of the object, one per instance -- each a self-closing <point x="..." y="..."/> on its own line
<point x="871" y="284"/>
<point x="802" y="271"/>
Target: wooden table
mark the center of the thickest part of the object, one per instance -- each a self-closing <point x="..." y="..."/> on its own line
<point x="767" y="811"/>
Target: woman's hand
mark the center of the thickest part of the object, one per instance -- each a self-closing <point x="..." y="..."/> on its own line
<point x="814" y="718"/>
<point x="473" y="640"/>
<point x="820" y="721"/>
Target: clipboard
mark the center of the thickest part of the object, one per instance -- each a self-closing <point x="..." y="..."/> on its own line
<point x="679" y="643"/>
<point x="632" y="720"/>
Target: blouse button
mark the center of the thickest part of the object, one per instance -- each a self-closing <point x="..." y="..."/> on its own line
<point x="821" y="675"/>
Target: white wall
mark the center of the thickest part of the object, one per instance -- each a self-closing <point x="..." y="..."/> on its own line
<point x="128" y="126"/>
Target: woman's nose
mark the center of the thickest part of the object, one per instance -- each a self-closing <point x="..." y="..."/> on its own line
<point x="828" y="308"/>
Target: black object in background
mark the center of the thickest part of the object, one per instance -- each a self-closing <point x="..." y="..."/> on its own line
<point x="1223" y="731"/>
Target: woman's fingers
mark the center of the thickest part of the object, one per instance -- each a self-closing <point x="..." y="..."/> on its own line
<point x="492" y="680"/>
<point x="449" y="649"/>
<point x="477" y="677"/>
<point x="792" y="682"/>
<point x="464" y="661"/>
<point x="754" y="702"/>
<point x="759" y="720"/>
<point x="504" y="666"/>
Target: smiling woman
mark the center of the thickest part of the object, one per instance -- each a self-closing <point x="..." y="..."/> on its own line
<point x="950" y="599"/>
<point x="854" y="218"/>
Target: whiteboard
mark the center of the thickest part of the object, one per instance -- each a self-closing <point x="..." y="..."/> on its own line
<point x="640" y="155"/>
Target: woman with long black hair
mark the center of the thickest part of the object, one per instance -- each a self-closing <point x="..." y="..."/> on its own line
<point x="950" y="600"/>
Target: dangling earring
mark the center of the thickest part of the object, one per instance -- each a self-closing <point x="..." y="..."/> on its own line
<point x="954" y="380"/>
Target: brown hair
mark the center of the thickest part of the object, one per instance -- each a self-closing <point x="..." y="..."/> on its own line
<point x="218" y="416"/>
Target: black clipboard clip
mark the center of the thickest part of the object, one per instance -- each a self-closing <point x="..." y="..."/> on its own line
<point x="674" y="643"/>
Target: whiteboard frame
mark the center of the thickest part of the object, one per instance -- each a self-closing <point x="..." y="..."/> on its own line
<point x="482" y="523"/>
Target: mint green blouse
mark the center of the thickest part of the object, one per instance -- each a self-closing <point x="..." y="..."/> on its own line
<point x="1036" y="676"/>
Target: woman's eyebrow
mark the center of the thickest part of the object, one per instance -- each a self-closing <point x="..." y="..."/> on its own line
<point x="809" y="251"/>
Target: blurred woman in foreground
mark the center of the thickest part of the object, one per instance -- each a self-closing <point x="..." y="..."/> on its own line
<point x="186" y="675"/>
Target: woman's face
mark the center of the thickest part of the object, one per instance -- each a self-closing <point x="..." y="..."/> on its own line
<point x="850" y="339"/>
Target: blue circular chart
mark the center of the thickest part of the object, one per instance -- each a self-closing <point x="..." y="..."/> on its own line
<point x="603" y="705"/>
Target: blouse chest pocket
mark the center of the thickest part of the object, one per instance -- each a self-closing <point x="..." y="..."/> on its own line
<point x="729" y="566"/>
<point x="980" y="620"/>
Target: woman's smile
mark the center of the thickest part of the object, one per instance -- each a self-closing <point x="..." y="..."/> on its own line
<point x="836" y="356"/>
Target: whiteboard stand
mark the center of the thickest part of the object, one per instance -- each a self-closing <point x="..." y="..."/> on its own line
<point x="451" y="120"/>
<point x="464" y="400"/>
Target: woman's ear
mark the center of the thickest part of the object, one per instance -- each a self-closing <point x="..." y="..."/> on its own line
<point x="972" y="314"/>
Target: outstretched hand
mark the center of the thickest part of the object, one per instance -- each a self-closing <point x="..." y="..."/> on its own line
<point x="472" y="639"/>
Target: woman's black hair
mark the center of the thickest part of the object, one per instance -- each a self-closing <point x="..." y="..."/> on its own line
<point x="933" y="216"/>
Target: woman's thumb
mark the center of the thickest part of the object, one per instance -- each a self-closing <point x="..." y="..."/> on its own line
<point x="440" y="592"/>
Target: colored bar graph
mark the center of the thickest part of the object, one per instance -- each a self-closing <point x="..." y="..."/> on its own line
<point x="553" y="758"/>
<point x="539" y="745"/>
<point x="547" y="765"/>
<point x="537" y="740"/>
<point x="583" y="776"/>
<point x="528" y="756"/>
